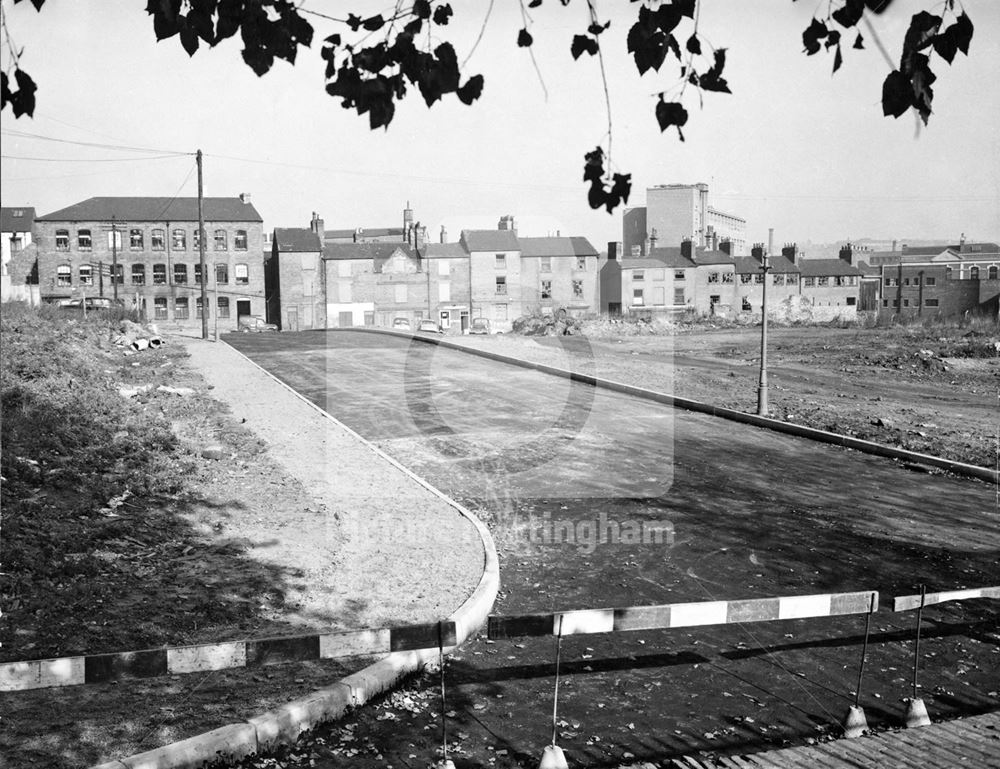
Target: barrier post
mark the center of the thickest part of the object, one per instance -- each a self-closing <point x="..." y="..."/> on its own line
<point x="916" y="710"/>
<point x="855" y="723"/>
<point x="445" y="763"/>
<point x="553" y="757"/>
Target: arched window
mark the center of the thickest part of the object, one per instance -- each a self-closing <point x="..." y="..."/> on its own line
<point x="83" y="241"/>
<point x="178" y="242"/>
<point x="160" y="277"/>
<point x="992" y="272"/>
<point x="86" y="275"/>
<point x="64" y="275"/>
<point x="240" y="241"/>
<point x="974" y="273"/>
<point x="220" y="240"/>
<point x="62" y="240"/>
<point x="157" y="239"/>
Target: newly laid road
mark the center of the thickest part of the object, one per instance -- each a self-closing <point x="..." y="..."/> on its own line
<point x="558" y="469"/>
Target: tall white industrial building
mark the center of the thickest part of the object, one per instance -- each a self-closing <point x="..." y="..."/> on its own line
<point x="677" y="212"/>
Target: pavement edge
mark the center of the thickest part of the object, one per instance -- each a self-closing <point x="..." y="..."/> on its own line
<point x="286" y="723"/>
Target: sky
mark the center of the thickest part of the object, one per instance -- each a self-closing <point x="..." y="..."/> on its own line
<point x="793" y="148"/>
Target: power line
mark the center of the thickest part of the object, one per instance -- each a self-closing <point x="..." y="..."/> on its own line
<point x="89" y="160"/>
<point x="118" y="147"/>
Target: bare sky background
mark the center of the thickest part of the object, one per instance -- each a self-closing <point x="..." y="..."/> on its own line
<point x="793" y="148"/>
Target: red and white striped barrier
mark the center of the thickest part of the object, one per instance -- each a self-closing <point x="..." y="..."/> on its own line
<point x="676" y="615"/>
<point x="908" y="602"/>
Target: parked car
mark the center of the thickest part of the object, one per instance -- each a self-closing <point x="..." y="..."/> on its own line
<point x="255" y="323"/>
<point x="401" y="324"/>
<point x="90" y="303"/>
<point x="428" y="326"/>
<point x="480" y="326"/>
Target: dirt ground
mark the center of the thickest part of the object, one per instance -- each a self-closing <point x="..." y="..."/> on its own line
<point x="290" y="531"/>
<point x="907" y="387"/>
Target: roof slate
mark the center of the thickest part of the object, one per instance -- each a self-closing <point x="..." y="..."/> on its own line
<point x="156" y="210"/>
<point x="572" y="246"/>
<point x="819" y="268"/>
<point x="776" y="264"/>
<point x="444" y="251"/>
<point x="671" y="256"/>
<point x="11" y="223"/>
<point x="363" y="250"/>
<point x="296" y="239"/>
<point x="490" y="240"/>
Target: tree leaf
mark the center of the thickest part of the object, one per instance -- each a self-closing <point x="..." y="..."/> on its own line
<point x="838" y="59"/>
<point x="583" y="44"/>
<point x="671" y="113"/>
<point x="923" y="27"/>
<point x="897" y="94"/>
<point x="524" y="39"/>
<point x="859" y="42"/>
<point x="422" y="9"/>
<point x="712" y="80"/>
<point x="849" y="13"/>
<point x="442" y="14"/>
<point x="694" y="45"/>
<point x="596" y="29"/>
<point x="815" y="32"/>
<point x="472" y="90"/>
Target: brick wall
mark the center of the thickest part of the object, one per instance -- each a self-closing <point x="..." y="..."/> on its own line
<point x="302" y="287"/>
<point x="561" y="273"/>
<point x="500" y="309"/>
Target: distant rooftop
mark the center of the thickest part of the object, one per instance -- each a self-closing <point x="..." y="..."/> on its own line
<point x="156" y="210"/>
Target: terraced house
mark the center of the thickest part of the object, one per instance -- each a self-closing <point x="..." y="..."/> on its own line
<point x="146" y="251"/>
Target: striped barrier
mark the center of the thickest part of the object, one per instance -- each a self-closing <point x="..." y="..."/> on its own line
<point x="150" y="663"/>
<point x="677" y="615"/>
<point x="908" y="602"/>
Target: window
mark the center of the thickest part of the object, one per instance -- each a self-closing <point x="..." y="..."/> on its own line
<point x="852" y="280"/>
<point x="713" y="277"/>
<point x="444" y="291"/>
<point x="546" y="289"/>
<point x="546" y="264"/>
<point x="577" y="289"/>
<point x="714" y="299"/>
<point x="16" y="243"/>
<point x="930" y="281"/>
<point x="930" y="302"/>
<point x="637" y="297"/>
<point x="198" y="307"/>
<point x="223" y="305"/>
<point x="895" y="303"/>
<point x="64" y="275"/>
<point x="499" y="312"/>
<point x="118" y="274"/>
<point x="581" y="263"/>
<point x="746" y="305"/>
<point x="180" y="273"/>
<point x="444" y="268"/>
<point x="678" y="274"/>
<point x="777" y="279"/>
<point x="822" y="281"/>
<point x="222" y="273"/>
<point x="196" y="240"/>
<point x="638" y="275"/>
<point x="159" y="274"/>
<point x="974" y="273"/>
<point x="746" y="277"/>
<point x="197" y="273"/>
<point x="906" y="303"/>
<point x="135" y="239"/>
<point x="851" y="301"/>
<point x="86" y="275"/>
<point x="890" y="281"/>
<point x="221" y="243"/>
<point x="906" y="282"/>
<point x="885" y="302"/>
<point x="369" y="318"/>
<point x="181" y="308"/>
<point x="992" y="272"/>
<point x="758" y="279"/>
<point x="501" y="261"/>
<point x="178" y="240"/>
<point x="399" y="293"/>
<point x="242" y="273"/>
<point x="138" y="274"/>
<point x="679" y="296"/>
<point x="62" y="240"/>
<point x="157" y="240"/>
<point x="728" y="277"/>
<point x="240" y="240"/>
<point x="160" y="308"/>
<point x="791" y="280"/>
<point x="445" y="319"/>
<point x="83" y="241"/>
<point x="842" y="281"/>
<point x="501" y="286"/>
<point x="809" y="282"/>
<point x="947" y="272"/>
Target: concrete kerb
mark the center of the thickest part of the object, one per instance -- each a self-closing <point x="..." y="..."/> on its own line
<point x="286" y="723"/>
<point x="812" y="433"/>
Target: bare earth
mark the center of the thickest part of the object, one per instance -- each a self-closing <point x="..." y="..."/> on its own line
<point x="347" y="539"/>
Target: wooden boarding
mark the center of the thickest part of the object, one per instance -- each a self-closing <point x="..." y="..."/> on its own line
<point x="908" y="602"/>
<point x="150" y="663"/>
<point x="677" y="615"/>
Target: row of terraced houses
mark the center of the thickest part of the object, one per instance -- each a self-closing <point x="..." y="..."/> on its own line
<point x="146" y="252"/>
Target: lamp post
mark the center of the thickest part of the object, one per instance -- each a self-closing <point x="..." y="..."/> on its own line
<point x="762" y="384"/>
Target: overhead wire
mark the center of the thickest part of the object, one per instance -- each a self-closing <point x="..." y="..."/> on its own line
<point x="99" y="145"/>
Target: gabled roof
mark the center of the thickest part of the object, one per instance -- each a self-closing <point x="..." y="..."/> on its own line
<point x="364" y="250"/>
<point x="444" y="251"/>
<point x="671" y="256"/>
<point x="705" y="256"/>
<point x="16" y="219"/>
<point x="296" y="239"/>
<point x="156" y="210"/>
<point x="490" y="240"/>
<point x="820" y="268"/>
<point x="777" y="264"/>
<point x="573" y="246"/>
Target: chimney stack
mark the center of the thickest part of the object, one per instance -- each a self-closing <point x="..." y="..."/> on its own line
<point x="419" y="236"/>
<point x="894" y="246"/>
<point x="790" y="251"/>
<point x="407" y="222"/>
<point x="316" y="225"/>
<point x="726" y="246"/>
<point x="614" y="251"/>
<point x="847" y="254"/>
<point x="444" y="234"/>
<point x="507" y="223"/>
<point x="770" y="240"/>
<point x="245" y="197"/>
<point x="757" y="252"/>
<point x="687" y="249"/>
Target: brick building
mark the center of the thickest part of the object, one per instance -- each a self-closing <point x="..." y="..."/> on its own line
<point x="783" y="279"/>
<point x="146" y="250"/>
<point x="295" y="278"/>
<point x="18" y="255"/>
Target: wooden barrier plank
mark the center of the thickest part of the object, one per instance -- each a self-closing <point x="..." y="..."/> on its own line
<point x="196" y="659"/>
<point x="909" y="602"/>
<point x="415" y="637"/>
<point x="271" y="651"/>
<point x="99" y="668"/>
<point x="499" y="628"/>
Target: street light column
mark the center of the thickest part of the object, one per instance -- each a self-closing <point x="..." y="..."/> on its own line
<point x="762" y="384"/>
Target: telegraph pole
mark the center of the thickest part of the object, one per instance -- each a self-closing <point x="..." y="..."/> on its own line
<point x="114" y="258"/>
<point x="762" y="384"/>
<point x="201" y="255"/>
